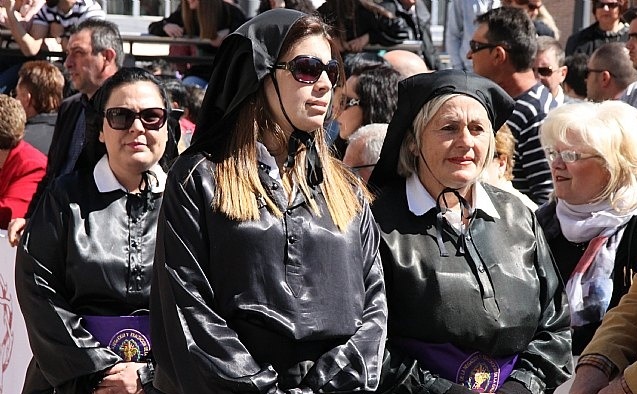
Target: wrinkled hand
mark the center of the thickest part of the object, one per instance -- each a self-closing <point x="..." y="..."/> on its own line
<point x="589" y="380"/>
<point x="121" y="379"/>
<point x="15" y="230"/>
<point x="173" y="30"/>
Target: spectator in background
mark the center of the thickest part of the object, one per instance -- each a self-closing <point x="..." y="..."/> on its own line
<point x="575" y="82"/>
<point x="369" y="97"/>
<point x="544" y="26"/>
<point x="299" y="5"/>
<point x="55" y="19"/>
<point x="39" y="90"/>
<point x="590" y="223"/>
<point x="24" y="11"/>
<point x="206" y="19"/>
<point x="416" y="18"/>
<point x="630" y="94"/>
<point x="502" y="49"/>
<point x="358" y="23"/>
<point x="609" y="72"/>
<point x="94" y="53"/>
<point x="499" y="172"/>
<point x="608" y="27"/>
<point x="187" y="122"/>
<point x="549" y="67"/>
<point x="406" y="63"/>
<point x="21" y="165"/>
<point x="461" y="23"/>
<point x="363" y="149"/>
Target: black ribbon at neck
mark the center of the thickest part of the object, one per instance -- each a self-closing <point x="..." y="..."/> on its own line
<point x="313" y="166"/>
<point x="439" y="220"/>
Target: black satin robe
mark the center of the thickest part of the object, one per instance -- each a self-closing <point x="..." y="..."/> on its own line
<point x="279" y="304"/>
<point x="439" y="300"/>
<point x="83" y="253"/>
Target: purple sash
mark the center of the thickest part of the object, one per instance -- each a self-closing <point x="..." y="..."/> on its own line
<point x="476" y="371"/>
<point x="127" y="336"/>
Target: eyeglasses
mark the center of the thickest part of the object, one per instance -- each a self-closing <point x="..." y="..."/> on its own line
<point x="476" y="46"/>
<point x="348" y="102"/>
<point x="568" y="156"/>
<point x="599" y="4"/>
<point x="544" y="71"/>
<point x="356" y="169"/>
<point x="120" y="118"/>
<point x="593" y="70"/>
<point x="308" y="69"/>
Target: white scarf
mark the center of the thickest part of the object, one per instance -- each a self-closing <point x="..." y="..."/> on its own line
<point x="590" y="288"/>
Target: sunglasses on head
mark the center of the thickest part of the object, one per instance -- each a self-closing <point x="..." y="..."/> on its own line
<point x="544" y="71"/>
<point x="599" y="4"/>
<point x="120" y="118"/>
<point x="308" y="69"/>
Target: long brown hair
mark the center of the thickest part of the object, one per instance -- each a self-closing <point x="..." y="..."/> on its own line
<point x="205" y="19"/>
<point x="239" y="190"/>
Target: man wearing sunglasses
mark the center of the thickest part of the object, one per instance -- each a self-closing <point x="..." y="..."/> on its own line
<point x="549" y="67"/>
<point x="608" y="27"/>
<point x="609" y="72"/>
<point x="89" y="62"/>
<point x="630" y="94"/>
<point x="502" y="49"/>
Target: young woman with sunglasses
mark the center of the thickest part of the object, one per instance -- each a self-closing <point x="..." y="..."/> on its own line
<point x="84" y="267"/>
<point x="267" y="277"/>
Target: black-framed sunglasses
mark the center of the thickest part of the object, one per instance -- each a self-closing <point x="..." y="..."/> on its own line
<point x="593" y="70"/>
<point x="476" y="46"/>
<point x="599" y="4"/>
<point x="348" y="102"/>
<point x="308" y="69"/>
<point x="544" y="71"/>
<point x="120" y="118"/>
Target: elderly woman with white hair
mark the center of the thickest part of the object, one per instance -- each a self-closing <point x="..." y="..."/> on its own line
<point x="591" y="219"/>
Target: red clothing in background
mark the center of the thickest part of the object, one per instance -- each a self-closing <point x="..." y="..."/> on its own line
<point x="19" y="177"/>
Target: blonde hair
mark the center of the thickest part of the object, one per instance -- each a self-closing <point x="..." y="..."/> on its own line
<point x="408" y="159"/>
<point x="505" y="145"/>
<point x="607" y="128"/>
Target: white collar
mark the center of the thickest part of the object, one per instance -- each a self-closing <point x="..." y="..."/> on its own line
<point x="266" y="158"/>
<point x="106" y="181"/>
<point x="420" y="201"/>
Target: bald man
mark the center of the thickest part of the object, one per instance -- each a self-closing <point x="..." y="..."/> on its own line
<point x="406" y="63"/>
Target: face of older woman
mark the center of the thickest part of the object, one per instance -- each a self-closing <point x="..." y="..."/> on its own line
<point x="305" y="104"/>
<point x="137" y="148"/>
<point x="581" y="181"/>
<point x="454" y="144"/>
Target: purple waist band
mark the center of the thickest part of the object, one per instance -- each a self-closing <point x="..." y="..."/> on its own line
<point x="474" y="370"/>
<point x="127" y="336"/>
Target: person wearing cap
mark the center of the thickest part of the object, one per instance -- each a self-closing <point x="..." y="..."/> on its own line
<point x="473" y="292"/>
<point x="267" y="277"/>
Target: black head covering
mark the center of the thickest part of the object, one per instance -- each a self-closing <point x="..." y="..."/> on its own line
<point x="415" y="91"/>
<point x="244" y="58"/>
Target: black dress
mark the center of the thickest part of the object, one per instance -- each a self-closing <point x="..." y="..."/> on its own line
<point x="84" y="252"/>
<point x="286" y="303"/>
<point x="502" y="297"/>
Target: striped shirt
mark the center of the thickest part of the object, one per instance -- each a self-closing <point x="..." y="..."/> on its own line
<point x="81" y="10"/>
<point x="531" y="172"/>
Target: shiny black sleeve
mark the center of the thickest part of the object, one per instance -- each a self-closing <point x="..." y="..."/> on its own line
<point x="547" y="361"/>
<point x="68" y="355"/>
<point x="356" y="364"/>
<point x="195" y="350"/>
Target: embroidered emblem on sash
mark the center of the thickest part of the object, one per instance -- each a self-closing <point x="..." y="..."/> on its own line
<point x="480" y="373"/>
<point x="131" y="345"/>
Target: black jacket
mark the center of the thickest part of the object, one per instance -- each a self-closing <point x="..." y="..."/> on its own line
<point x="255" y="306"/>
<point x="589" y="39"/>
<point x="502" y="297"/>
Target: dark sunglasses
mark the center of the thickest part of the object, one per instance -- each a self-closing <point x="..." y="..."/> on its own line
<point x="476" y="46"/>
<point x="308" y="69"/>
<point x="120" y="118"/>
<point x="599" y="4"/>
<point x="592" y="70"/>
<point x="348" y="102"/>
<point x="533" y="7"/>
<point x="544" y="71"/>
